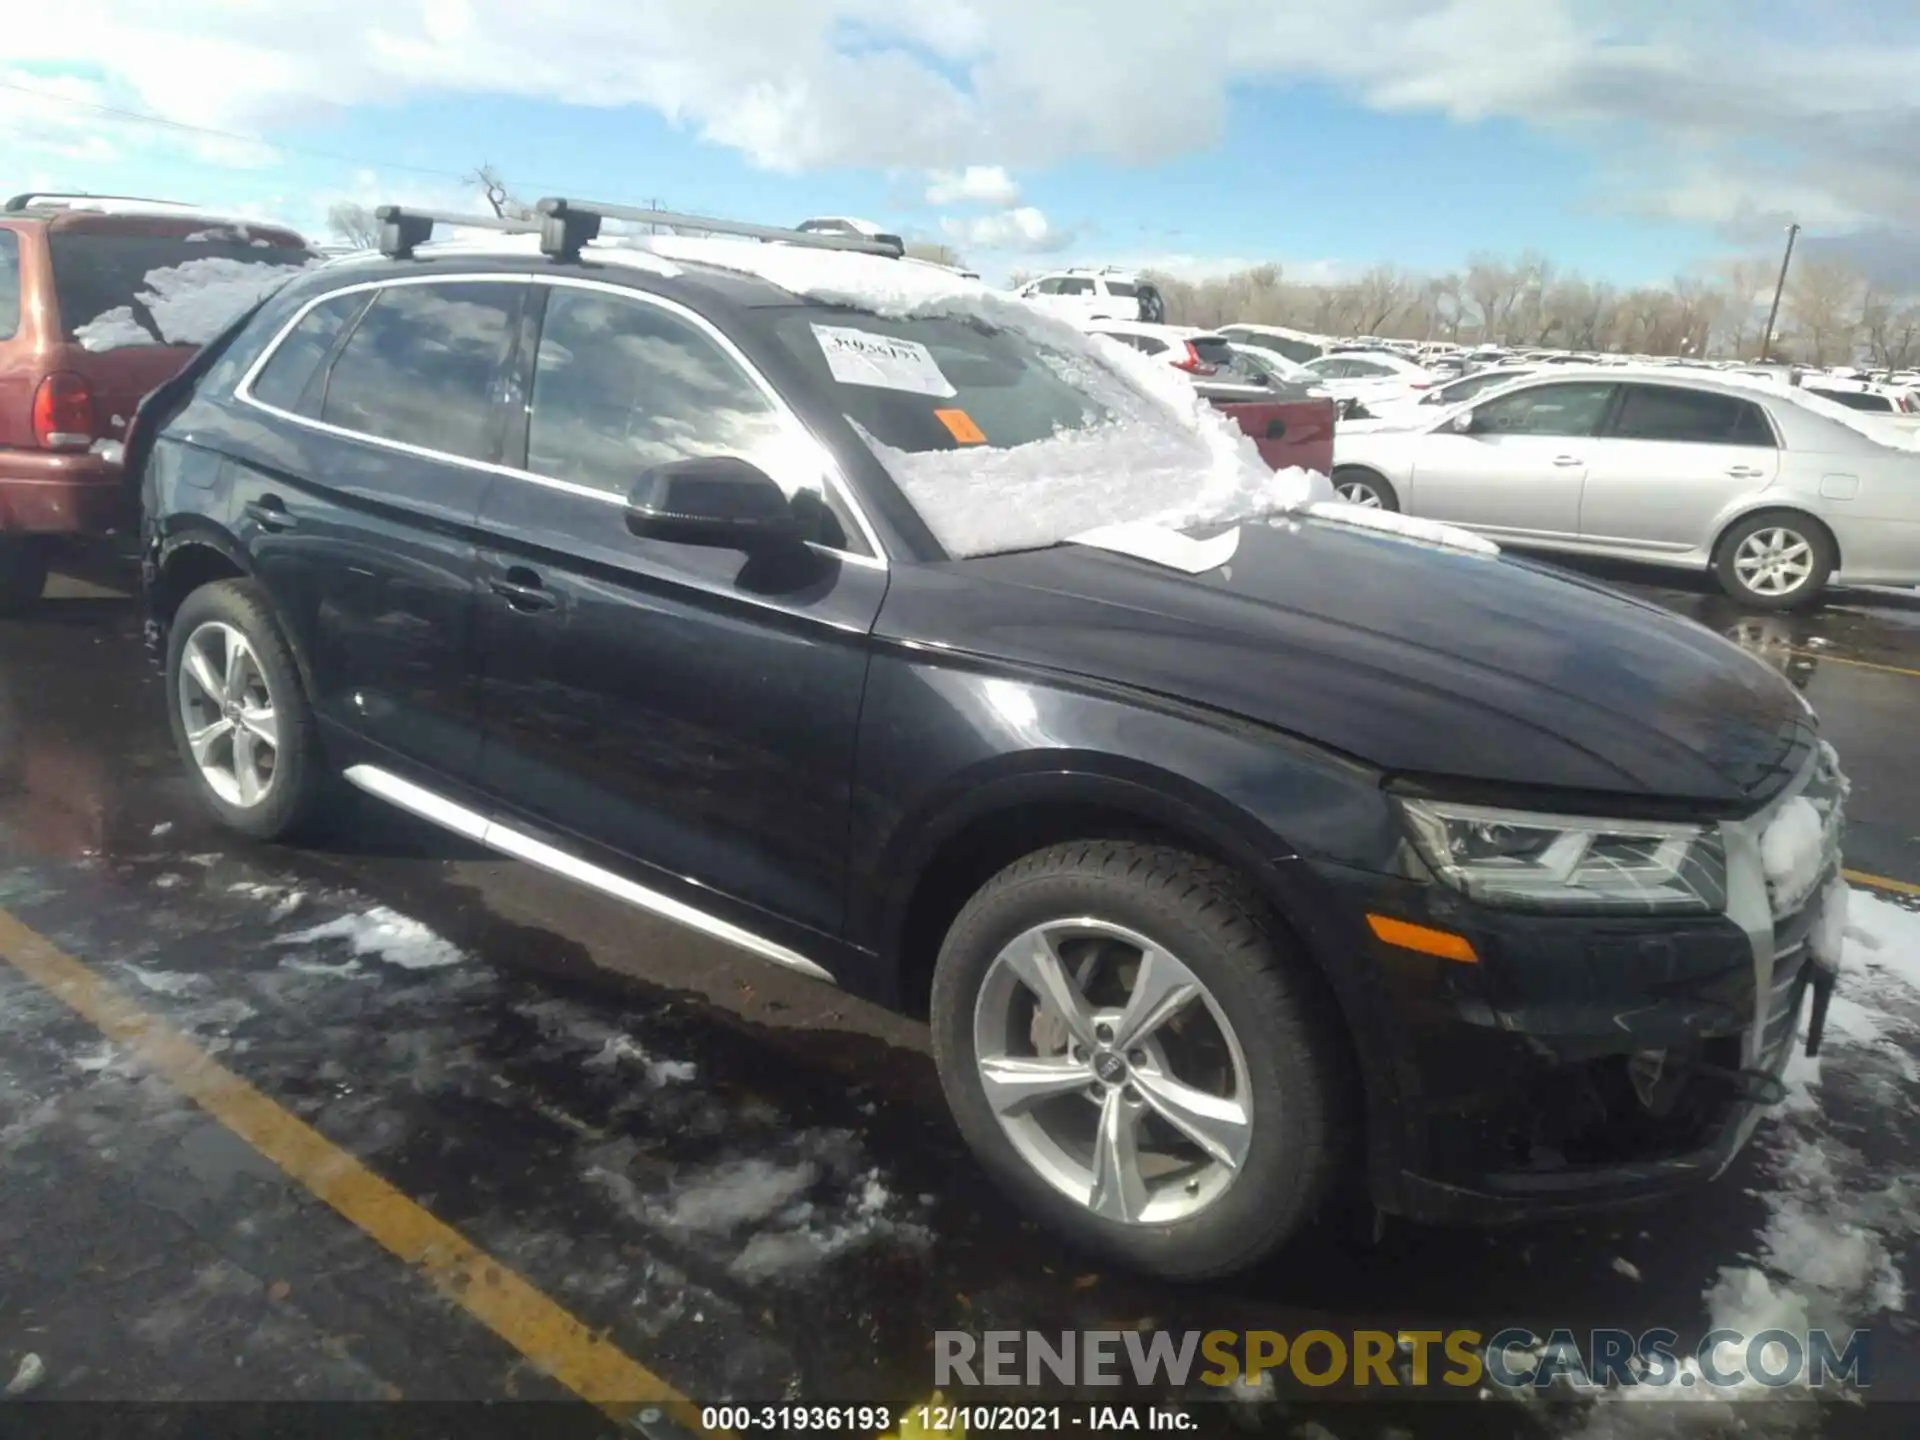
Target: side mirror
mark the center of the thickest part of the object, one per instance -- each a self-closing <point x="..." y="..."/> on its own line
<point x="718" y="500"/>
<point x="1461" y="424"/>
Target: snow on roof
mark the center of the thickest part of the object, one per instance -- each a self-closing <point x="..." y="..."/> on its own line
<point x="190" y="303"/>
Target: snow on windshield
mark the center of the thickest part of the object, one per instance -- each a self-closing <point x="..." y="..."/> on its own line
<point x="190" y="303"/>
<point x="1165" y="457"/>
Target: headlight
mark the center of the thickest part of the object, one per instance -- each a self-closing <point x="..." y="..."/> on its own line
<point x="1518" y="859"/>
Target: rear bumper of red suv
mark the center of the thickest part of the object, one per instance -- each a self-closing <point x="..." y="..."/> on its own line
<point x="45" y="492"/>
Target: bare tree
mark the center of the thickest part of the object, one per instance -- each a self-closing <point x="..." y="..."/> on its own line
<point x="354" y="224"/>
<point x="1823" y="304"/>
<point x="498" y="195"/>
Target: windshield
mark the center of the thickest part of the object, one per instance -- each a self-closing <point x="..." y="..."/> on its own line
<point x="1004" y="441"/>
<point x="118" y="287"/>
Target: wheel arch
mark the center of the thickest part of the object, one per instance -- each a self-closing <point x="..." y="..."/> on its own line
<point x="1762" y="506"/>
<point x="200" y="553"/>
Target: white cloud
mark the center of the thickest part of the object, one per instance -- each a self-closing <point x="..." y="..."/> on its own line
<point x="1813" y="104"/>
<point x="1023" y="229"/>
<point x="979" y="184"/>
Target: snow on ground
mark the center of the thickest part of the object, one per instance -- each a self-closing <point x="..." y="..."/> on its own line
<point x="385" y="935"/>
<point x="1837" y="1227"/>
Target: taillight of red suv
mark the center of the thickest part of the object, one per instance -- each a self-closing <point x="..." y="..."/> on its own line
<point x="63" y="417"/>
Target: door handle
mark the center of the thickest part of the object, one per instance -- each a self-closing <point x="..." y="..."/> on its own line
<point x="1568" y="460"/>
<point x="522" y="589"/>
<point x="1745" y="472"/>
<point x="269" y="512"/>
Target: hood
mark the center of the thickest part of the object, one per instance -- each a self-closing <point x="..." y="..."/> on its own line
<point x="1415" y="659"/>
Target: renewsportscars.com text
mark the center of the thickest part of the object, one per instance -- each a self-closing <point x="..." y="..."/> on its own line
<point x="1509" y="1359"/>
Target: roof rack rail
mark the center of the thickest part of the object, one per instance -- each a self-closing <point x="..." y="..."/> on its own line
<point x="404" y="227"/>
<point x="28" y="199"/>
<point x="570" y="224"/>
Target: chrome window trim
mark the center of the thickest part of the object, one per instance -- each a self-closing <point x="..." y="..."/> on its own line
<point x="833" y="477"/>
<point x="431" y="806"/>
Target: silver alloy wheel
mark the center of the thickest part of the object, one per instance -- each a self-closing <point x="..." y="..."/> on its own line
<point x="1775" y="561"/>
<point x="1113" y="1071"/>
<point x="1359" y="492"/>
<point x="227" y="711"/>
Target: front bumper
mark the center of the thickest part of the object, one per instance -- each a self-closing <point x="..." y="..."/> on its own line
<point x="1584" y="1062"/>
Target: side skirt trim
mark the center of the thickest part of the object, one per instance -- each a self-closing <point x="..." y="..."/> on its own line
<point x="436" y="808"/>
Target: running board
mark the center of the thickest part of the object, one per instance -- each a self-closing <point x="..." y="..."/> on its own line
<point x="417" y="800"/>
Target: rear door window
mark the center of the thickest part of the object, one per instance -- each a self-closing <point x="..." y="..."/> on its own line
<point x="9" y="284"/>
<point x="1076" y="287"/>
<point x="122" y="287"/>
<point x="420" y="367"/>
<point x="1123" y="289"/>
<point x="285" y="377"/>
<point x="1701" y="417"/>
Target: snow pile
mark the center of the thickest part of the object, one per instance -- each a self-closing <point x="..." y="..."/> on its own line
<point x="1406" y="527"/>
<point x="385" y="935"/>
<point x="1792" y="849"/>
<point x="770" y="1217"/>
<point x="1830" y="1252"/>
<point x="190" y="303"/>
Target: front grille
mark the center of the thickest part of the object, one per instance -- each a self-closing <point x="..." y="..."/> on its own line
<point x="1791" y="940"/>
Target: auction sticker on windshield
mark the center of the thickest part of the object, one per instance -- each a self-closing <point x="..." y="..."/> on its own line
<point x="860" y="357"/>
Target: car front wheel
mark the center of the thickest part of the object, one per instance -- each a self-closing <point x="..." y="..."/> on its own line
<point x="1776" y="561"/>
<point x="240" y="715"/>
<point x="1131" y="1049"/>
<point x="1364" y="488"/>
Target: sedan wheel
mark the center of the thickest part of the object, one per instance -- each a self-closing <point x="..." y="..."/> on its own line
<point x="1114" y="1071"/>
<point x="226" y="708"/>
<point x="1359" y="492"/>
<point x="1775" y="562"/>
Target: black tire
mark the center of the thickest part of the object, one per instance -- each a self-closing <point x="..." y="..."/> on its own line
<point x="1212" y="919"/>
<point x="1358" y="475"/>
<point x="301" y="780"/>
<point x="1803" y="528"/>
<point x="23" y="573"/>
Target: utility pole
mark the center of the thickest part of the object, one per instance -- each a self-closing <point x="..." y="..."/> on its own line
<point x="1766" y="338"/>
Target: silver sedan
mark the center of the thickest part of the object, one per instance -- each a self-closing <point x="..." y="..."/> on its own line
<point x="1776" y="492"/>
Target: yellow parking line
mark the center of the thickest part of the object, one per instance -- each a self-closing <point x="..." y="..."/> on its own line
<point x="1881" y="882"/>
<point x="1827" y="659"/>
<point x="493" y="1294"/>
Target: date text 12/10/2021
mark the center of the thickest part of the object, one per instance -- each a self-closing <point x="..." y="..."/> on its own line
<point x="939" y="1419"/>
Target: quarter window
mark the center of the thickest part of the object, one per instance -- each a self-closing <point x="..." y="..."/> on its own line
<point x="9" y="284"/>
<point x="1571" y="409"/>
<point x="621" y="385"/>
<point x="419" y="367"/>
<point x="1668" y="412"/>
<point x="292" y="365"/>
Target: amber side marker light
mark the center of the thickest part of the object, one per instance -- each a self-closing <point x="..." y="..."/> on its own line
<point x="1427" y="941"/>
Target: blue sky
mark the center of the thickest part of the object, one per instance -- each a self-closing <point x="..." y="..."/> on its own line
<point x="1618" y="140"/>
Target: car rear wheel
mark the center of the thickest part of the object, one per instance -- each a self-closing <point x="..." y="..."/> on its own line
<point x="1365" y="488"/>
<point x="23" y="573"/>
<point x="1775" y="561"/>
<point x="240" y="716"/>
<point x="1131" y="1049"/>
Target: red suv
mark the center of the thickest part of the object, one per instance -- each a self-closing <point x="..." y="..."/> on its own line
<point x="101" y="299"/>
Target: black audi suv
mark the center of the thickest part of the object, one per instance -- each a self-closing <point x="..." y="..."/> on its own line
<point x="1241" y="855"/>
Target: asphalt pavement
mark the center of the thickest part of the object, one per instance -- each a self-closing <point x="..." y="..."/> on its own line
<point x="393" y="1118"/>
